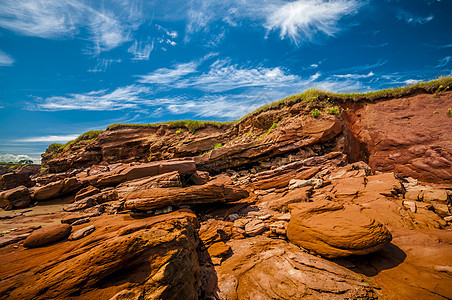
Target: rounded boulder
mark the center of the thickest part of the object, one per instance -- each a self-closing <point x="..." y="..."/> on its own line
<point x="332" y="230"/>
<point x="47" y="235"/>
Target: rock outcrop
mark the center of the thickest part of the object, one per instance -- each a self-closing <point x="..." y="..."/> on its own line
<point x="56" y="189"/>
<point x="197" y="194"/>
<point x="405" y="136"/>
<point x="332" y="230"/>
<point x="282" y="204"/>
<point x="12" y="180"/>
<point x="123" y="257"/>
<point x="18" y="197"/>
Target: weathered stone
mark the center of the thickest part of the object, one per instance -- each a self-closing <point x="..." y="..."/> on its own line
<point x="166" y="180"/>
<point x="263" y="268"/>
<point x="255" y="227"/>
<point x="298" y="183"/>
<point x="106" y="195"/>
<point x="411" y="205"/>
<point x="294" y="196"/>
<point x="11" y="239"/>
<point x="184" y="167"/>
<point x="157" y="198"/>
<point x="56" y="189"/>
<point x="219" y="249"/>
<point x="332" y="230"/>
<point x="47" y="235"/>
<point x="76" y="216"/>
<point x="81" y="233"/>
<point x="278" y="227"/>
<point x="160" y="251"/>
<point x="86" y="192"/>
<point x="12" y="180"/>
<point x="18" y="197"/>
<point x="200" y="177"/>
<point x="80" y="221"/>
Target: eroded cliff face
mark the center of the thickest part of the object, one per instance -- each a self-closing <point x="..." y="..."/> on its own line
<point x="409" y="136"/>
<point x="280" y="205"/>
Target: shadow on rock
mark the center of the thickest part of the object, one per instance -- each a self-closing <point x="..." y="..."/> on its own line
<point x="370" y="265"/>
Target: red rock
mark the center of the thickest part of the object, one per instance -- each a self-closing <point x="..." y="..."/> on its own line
<point x="332" y="230"/>
<point x="197" y="194"/>
<point x="263" y="268"/>
<point x="142" y="170"/>
<point x="156" y="258"/>
<point x="86" y="192"/>
<point x="403" y="136"/>
<point x="12" y="180"/>
<point x="295" y="196"/>
<point x="171" y="179"/>
<point x="18" y="197"/>
<point x="200" y="177"/>
<point x="219" y="249"/>
<point x="57" y="189"/>
<point x="47" y="235"/>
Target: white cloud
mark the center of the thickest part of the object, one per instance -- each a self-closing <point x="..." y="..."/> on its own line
<point x="104" y="64"/>
<point x="141" y="51"/>
<point x="53" y="19"/>
<point x="355" y="76"/>
<point x="224" y="76"/>
<point x="48" y="138"/>
<point x="14" y="158"/>
<point x="166" y="76"/>
<point x="302" y="20"/>
<point x="121" y="98"/>
<point x="5" y="59"/>
<point x="411" y="81"/>
<point x="411" y="19"/>
<point x="444" y="61"/>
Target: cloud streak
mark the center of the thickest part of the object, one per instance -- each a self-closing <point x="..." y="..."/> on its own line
<point x="303" y="20"/>
<point x="48" y="138"/>
<point x="5" y="60"/>
<point x="55" y="19"/>
<point x="444" y="62"/>
<point x="127" y="97"/>
<point x="412" y="19"/>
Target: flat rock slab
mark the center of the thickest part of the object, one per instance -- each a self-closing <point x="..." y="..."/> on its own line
<point x="198" y="194"/>
<point x="332" y="230"/>
<point x="263" y="268"/>
<point x="47" y="235"/>
<point x="124" y="174"/>
<point x="56" y="189"/>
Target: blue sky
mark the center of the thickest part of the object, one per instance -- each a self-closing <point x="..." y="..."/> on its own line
<point x="68" y="66"/>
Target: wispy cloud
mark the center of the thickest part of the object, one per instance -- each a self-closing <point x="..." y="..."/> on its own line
<point x="52" y="19"/>
<point x="48" y="138"/>
<point x="104" y="64"/>
<point x="224" y="76"/>
<point x="127" y="97"/>
<point x="355" y="76"/>
<point x="166" y="76"/>
<point x="303" y="20"/>
<point x="140" y="50"/>
<point x="5" y="60"/>
<point x="444" y="61"/>
<point x="412" y="19"/>
<point x="300" y="21"/>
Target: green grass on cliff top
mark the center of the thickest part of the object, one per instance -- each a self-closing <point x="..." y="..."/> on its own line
<point x="433" y="86"/>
